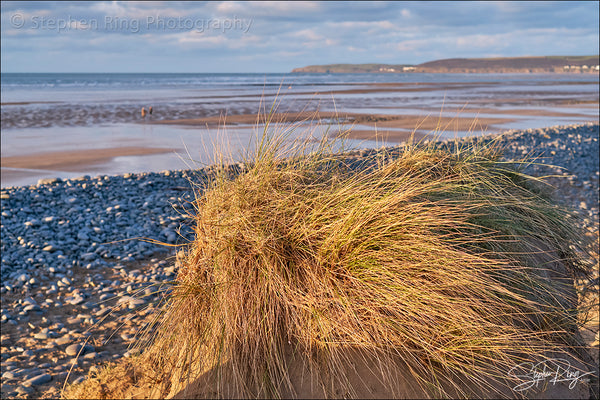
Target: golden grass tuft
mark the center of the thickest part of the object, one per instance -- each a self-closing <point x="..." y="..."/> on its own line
<point x="444" y="263"/>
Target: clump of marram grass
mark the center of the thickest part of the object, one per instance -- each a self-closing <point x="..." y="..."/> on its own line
<point x="443" y="268"/>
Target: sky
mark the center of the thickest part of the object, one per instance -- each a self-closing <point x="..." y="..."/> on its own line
<point x="265" y="37"/>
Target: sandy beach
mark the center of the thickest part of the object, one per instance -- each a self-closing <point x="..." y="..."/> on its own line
<point x="37" y="165"/>
<point x="83" y="137"/>
<point x="418" y="123"/>
<point x="75" y="160"/>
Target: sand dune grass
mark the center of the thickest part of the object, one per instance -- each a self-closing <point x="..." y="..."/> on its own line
<point x="438" y="269"/>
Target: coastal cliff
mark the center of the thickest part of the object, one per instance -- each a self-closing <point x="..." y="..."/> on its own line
<point x="549" y="64"/>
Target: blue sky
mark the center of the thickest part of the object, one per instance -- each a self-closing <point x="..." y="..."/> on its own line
<point x="279" y="36"/>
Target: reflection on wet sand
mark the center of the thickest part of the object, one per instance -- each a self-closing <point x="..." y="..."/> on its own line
<point x="73" y="134"/>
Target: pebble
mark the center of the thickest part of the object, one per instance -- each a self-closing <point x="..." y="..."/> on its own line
<point x="42" y="335"/>
<point x="48" y="181"/>
<point x="93" y="226"/>
<point x="90" y="356"/>
<point x="12" y="374"/>
<point x="38" y="380"/>
<point x="24" y="390"/>
<point x="64" y="340"/>
<point x="79" y="349"/>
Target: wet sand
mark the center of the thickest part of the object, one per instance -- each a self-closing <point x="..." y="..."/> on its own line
<point x="408" y="122"/>
<point x="79" y="160"/>
<point x="75" y="160"/>
<point x="366" y="111"/>
<point x="515" y="112"/>
<point x="385" y="135"/>
<point x="404" y="87"/>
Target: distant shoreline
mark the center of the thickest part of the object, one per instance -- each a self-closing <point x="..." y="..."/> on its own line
<point x="519" y="65"/>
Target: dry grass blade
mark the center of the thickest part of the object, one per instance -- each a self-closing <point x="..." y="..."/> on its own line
<point x="442" y="268"/>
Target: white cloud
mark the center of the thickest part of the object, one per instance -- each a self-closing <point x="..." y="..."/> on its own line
<point x="355" y="49"/>
<point x="283" y="35"/>
<point x="480" y="41"/>
<point x="268" y="8"/>
<point x="364" y="25"/>
<point x="246" y="41"/>
<point x="307" y="35"/>
<point x="139" y="10"/>
<point x="288" y="54"/>
<point x="202" y="39"/>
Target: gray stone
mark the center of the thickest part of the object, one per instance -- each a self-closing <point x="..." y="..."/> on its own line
<point x="61" y="376"/>
<point x="125" y="299"/>
<point x="90" y="356"/>
<point x="39" y="379"/>
<point x="136" y="302"/>
<point x="22" y="390"/>
<point x="64" y="340"/>
<point x="12" y="374"/>
<point x="74" y="320"/>
<point x="30" y="301"/>
<point x="48" y="181"/>
<point x="75" y="300"/>
<point x="41" y="335"/>
<point x="89" y="256"/>
<point x="31" y="308"/>
<point x="76" y="348"/>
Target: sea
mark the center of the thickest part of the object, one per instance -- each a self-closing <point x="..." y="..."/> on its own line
<point x="42" y="113"/>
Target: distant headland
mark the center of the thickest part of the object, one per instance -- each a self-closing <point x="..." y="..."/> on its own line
<point x="548" y="64"/>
